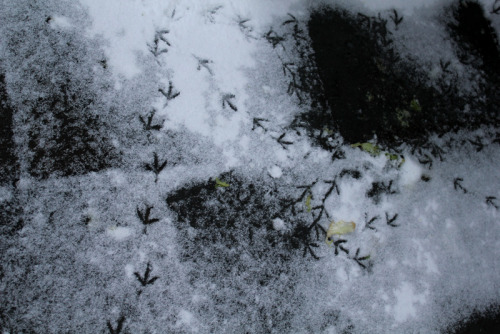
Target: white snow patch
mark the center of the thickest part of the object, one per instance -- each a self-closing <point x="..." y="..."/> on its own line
<point x="119" y="233"/>
<point x="406" y="300"/>
<point x="230" y="157"/>
<point x="128" y="27"/>
<point x="423" y="258"/>
<point x="186" y="318"/>
<point x="341" y="274"/>
<point x="279" y="224"/>
<point x="60" y="22"/>
<point x="24" y="183"/>
<point x="117" y="177"/>
<point x="275" y="172"/>
<point x="411" y="172"/>
<point x="407" y="7"/>
<point x="5" y="194"/>
<point x="129" y="270"/>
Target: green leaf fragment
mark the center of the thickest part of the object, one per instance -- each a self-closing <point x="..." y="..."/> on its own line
<point x="415" y="106"/>
<point x="368" y="147"/>
<point x="220" y="184"/>
<point x="395" y="157"/>
<point x="391" y="156"/>
<point x="308" y="203"/>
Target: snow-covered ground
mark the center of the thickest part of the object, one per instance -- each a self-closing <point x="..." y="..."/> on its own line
<point x="199" y="208"/>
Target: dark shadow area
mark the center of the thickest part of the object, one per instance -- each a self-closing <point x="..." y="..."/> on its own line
<point x="57" y="94"/>
<point x="8" y="165"/>
<point x="66" y="137"/>
<point x="10" y="211"/>
<point x="479" y="323"/>
<point x="226" y="229"/>
<point x="477" y="45"/>
<point x="229" y="212"/>
<point x="370" y="90"/>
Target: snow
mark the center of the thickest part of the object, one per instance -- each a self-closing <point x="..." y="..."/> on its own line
<point x="127" y="33"/>
<point x="275" y="172"/>
<point x="408" y="7"/>
<point x="60" y="22"/>
<point x="86" y="253"/>
<point x="5" y="194"/>
<point x="411" y="172"/>
<point x="119" y="233"/>
<point x="407" y="302"/>
<point x="279" y="224"/>
<point x="186" y="318"/>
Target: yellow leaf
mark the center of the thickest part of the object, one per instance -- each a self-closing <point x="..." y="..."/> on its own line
<point x="339" y="228"/>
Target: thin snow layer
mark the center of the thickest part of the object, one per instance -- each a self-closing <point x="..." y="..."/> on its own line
<point x="198" y="108"/>
<point x="411" y="7"/>
<point x="406" y="6"/>
<point x="205" y="47"/>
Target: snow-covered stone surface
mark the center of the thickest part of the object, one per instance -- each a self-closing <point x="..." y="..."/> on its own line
<point x="163" y="180"/>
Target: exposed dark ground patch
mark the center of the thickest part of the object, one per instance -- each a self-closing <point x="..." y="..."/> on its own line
<point x="58" y="92"/>
<point x="239" y="214"/>
<point x="370" y="90"/>
<point x="10" y="211"/>
<point x="77" y="143"/>
<point x="8" y="164"/>
<point x="487" y="322"/>
<point x="477" y="45"/>
<point x="228" y="235"/>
